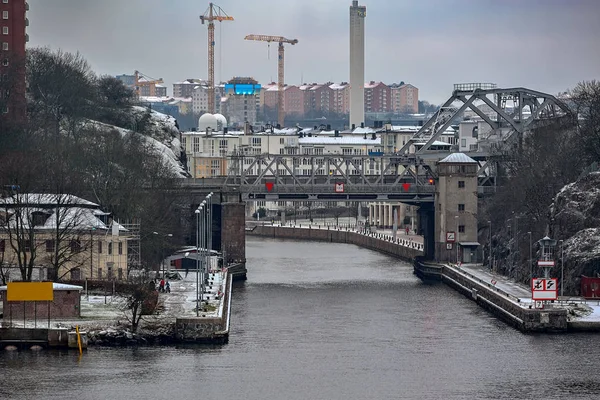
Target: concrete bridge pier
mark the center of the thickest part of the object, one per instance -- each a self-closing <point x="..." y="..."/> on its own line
<point x="232" y="243"/>
<point x="426" y="228"/>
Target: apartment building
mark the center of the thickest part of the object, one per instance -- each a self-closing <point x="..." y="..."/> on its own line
<point x="405" y="98"/>
<point x="12" y="66"/>
<point x="186" y="87"/>
<point x="377" y="97"/>
<point x="340" y="97"/>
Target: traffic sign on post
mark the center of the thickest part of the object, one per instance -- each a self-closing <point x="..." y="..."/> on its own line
<point x="544" y="289"/>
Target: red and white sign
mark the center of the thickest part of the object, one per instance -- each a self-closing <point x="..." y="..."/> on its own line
<point x="450" y="237"/>
<point x="544" y="289"/>
<point x="546" y="263"/>
<point x="339" y="187"/>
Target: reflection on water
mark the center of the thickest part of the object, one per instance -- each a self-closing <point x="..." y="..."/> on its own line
<point x="327" y="321"/>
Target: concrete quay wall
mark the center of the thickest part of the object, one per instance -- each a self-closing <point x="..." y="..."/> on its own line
<point x="371" y="242"/>
<point x="207" y="329"/>
<point x="503" y="305"/>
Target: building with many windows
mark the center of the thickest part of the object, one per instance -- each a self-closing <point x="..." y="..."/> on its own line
<point x="405" y="98"/>
<point x="377" y="97"/>
<point x="12" y="58"/>
<point x="69" y="237"/>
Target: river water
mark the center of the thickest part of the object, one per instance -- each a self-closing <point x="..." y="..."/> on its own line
<point x="327" y="321"/>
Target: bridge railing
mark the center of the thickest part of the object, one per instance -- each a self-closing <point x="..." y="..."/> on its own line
<point x="361" y="230"/>
<point x="347" y="189"/>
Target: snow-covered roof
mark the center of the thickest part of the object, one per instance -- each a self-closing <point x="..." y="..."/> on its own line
<point x="155" y="99"/>
<point x="435" y="143"/>
<point x="56" y="286"/>
<point x="340" y="140"/>
<point x="47" y="199"/>
<point x="457" y="158"/>
<point x="360" y="130"/>
<point x="338" y="86"/>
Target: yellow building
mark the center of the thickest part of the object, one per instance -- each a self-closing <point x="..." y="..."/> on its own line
<point x="60" y="237"/>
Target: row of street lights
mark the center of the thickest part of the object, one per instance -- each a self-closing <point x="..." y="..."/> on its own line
<point x="203" y="245"/>
<point x="530" y="255"/>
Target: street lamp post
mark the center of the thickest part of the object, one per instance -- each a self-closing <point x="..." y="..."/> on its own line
<point x="530" y="259"/>
<point x="490" y="245"/>
<point x="457" y="238"/>
<point x="562" y="269"/>
<point x="198" y="259"/>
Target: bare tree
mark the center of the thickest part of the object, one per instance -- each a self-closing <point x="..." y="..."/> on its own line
<point x="141" y="299"/>
<point x="18" y="229"/>
<point x="585" y="99"/>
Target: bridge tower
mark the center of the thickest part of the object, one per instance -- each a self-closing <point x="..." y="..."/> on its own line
<point x="456" y="209"/>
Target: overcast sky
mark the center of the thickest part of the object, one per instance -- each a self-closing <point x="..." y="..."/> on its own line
<point x="546" y="45"/>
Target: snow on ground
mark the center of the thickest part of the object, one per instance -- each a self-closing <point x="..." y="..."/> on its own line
<point x="99" y="311"/>
<point x="579" y="308"/>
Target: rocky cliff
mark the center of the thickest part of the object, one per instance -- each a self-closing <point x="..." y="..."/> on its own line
<point x="575" y="216"/>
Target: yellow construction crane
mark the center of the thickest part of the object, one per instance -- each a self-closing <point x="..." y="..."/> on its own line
<point x="150" y="82"/>
<point x="212" y="13"/>
<point x="281" y="40"/>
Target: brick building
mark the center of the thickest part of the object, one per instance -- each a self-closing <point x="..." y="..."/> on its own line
<point x="377" y="97"/>
<point x="12" y="66"/>
<point x="66" y="304"/>
<point x="405" y="98"/>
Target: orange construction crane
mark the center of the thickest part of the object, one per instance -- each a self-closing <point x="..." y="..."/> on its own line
<point x="280" y="77"/>
<point x="212" y="13"/>
<point x="147" y="81"/>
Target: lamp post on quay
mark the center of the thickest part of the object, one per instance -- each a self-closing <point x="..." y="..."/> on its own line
<point x="530" y="259"/>
<point x="197" y="212"/>
<point x="162" y="253"/>
<point x="562" y="269"/>
<point x="457" y="238"/>
<point x="490" y="245"/>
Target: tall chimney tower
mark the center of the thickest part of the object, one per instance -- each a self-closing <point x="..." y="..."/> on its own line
<point x="357" y="63"/>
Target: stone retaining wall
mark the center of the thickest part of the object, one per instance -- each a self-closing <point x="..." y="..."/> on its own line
<point x="338" y="236"/>
<point x="504" y="305"/>
<point x="206" y="329"/>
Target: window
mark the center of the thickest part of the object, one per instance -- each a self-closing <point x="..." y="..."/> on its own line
<point x="461" y="207"/>
<point x="5" y="1"/>
<point x="110" y="248"/>
<point x="75" y="245"/>
<point x="27" y="245"/>
<point x="75" y="274"/>
<point x="4" y="45"/>
<point x="99" y="247"/>
<point x="4" y="14"/>
<point x="461" y="229"/>
<point x="5" y="30"/>
<point x="2" y="245"/>
<point x="461" y="184"/>
<point x="5" y="62"/>
<point x="120" y="247"/>
<point x="50" y="245"/>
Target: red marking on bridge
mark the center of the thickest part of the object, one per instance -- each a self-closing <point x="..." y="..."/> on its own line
<point x="269" y="186"/>
<point x="406" y="186"/>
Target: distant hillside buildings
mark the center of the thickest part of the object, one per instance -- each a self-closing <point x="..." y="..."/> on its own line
<point x="258" y="103"/>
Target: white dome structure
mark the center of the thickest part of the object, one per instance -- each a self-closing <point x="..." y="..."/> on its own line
<point x="207" y="121"/>
<point x="221" y="121"/>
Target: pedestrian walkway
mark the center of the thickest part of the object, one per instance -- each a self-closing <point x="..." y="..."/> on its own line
<point x="580" y="309"/>
<point x="402" y="239"/>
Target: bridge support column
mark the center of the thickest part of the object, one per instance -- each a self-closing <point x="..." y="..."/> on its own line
<point x="233" y="237"/>
<point x="426" y="228"/>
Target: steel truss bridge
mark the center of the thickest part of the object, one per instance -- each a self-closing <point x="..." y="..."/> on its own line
<point x="513" y="112"/>
<point x="409" y="178"/>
